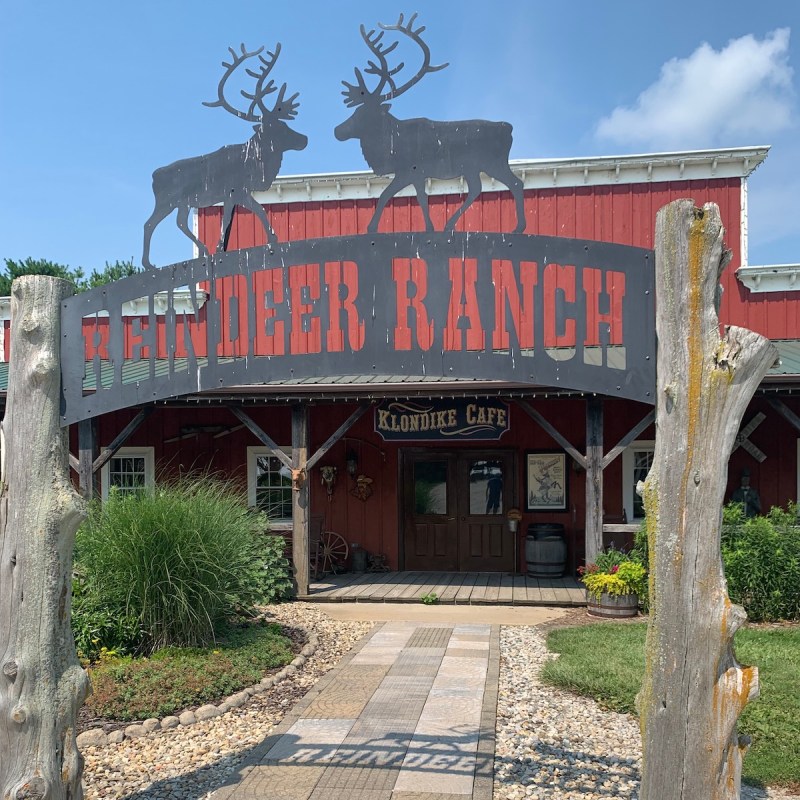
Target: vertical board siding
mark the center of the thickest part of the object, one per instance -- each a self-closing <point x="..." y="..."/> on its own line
<point x="624" y="214"/>
<point x="621" y="213"/>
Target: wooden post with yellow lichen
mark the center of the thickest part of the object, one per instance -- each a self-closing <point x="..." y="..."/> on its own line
<point x="42" y="684"/>
<point x="694" y="690"/>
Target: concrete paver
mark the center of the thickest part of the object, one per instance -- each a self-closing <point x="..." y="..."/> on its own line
<point x="409" y="716"/>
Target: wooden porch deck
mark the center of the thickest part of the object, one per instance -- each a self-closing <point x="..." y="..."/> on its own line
<point x="476" y="588"/>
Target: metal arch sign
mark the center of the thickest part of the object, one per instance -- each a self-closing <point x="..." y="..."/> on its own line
<point x="538" y="310"/>
<point x="509" y="307"/>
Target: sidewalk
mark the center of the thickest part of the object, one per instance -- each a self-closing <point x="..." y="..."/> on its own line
<point x="408" y="715"/>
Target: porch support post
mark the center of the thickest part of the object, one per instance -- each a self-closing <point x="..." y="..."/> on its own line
<point x="594" y="477"/>
<point x="300" y="498"/>
<point x="86" y="447"/>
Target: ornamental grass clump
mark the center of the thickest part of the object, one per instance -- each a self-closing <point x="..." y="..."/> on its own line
<point x="178" y="562"/>
<point x="614" y="573"/>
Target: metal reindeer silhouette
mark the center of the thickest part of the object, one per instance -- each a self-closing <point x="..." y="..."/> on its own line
<point x="231" y="174"/>
<point x="414" y="150"/>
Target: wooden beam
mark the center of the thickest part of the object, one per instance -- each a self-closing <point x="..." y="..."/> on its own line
<point x="338" y="433"/>
<point x="630" y="436"/>
<point x="261" y="435"/>
<point x="547" y="427"/>
<point x="301" y="516"/>
<point x="86" y="458"/>
<point x="73" y="463"/>
<point x="107" y="452"/>
<point x="594" y="477"/>
<point x="785" y="412"/>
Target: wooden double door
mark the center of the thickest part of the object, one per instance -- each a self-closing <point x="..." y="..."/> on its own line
<point x="454" y="510"/>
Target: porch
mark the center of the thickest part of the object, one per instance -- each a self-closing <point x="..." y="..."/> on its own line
<point x="475" y="588"/>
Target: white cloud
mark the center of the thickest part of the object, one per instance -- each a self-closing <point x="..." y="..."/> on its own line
<point x="741" y="91"/>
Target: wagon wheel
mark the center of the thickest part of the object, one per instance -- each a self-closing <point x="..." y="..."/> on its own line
<point x="333" y="552"/>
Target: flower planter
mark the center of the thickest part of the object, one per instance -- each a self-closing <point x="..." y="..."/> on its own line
<point x="624" y="605"/>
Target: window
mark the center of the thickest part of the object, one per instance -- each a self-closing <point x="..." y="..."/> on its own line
<point x="636" y="462"/>
<point x="130" y="469"/>
<point x="269" y="485"/>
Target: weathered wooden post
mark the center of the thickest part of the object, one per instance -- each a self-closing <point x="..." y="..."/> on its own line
<point x="42" y="685"/>
<point x="694" y="689"/>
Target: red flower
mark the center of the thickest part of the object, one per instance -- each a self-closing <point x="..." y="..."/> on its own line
<point x="613" y="569"/>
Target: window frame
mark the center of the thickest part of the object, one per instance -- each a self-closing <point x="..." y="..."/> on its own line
<point x="148" y="453"/>
<point x="253" y="453"/>
<point x="628" y="461"/>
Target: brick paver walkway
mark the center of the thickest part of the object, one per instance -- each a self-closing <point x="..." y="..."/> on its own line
<point x="410" y="715"/>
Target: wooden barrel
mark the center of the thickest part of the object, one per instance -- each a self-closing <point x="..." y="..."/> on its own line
<point x="624" y="605"/>
<point x="545" y="530"/>
<point x="546" y="557"/>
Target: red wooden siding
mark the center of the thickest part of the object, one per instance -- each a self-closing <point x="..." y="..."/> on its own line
<point x="623" y="213"/>
<point x="374" y="524"/>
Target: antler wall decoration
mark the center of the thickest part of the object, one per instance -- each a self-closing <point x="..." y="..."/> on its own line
<point x="415" y="150"/>
<point x="328" y="476"/>
<point x="231" y="174"/>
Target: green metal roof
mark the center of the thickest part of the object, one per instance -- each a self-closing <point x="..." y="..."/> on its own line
<point x="787" y="367"/>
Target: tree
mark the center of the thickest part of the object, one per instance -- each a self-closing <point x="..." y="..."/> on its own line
<point x="41" y="266"/>
<point x="42" y="685"/>
<point x="694" y="690"/>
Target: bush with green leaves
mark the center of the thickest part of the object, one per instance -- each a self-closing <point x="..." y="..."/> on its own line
<point x="178" y="561"/>
<point x="761" y="557"/>
<point x="99" y="630"/>
<point x="762" y="562"/>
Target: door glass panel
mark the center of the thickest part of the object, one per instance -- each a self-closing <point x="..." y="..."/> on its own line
<point x="430" y="487"/>
<point x="486" y="487"/>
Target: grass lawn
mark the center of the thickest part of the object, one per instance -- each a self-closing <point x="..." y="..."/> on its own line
<point x="174" y="678"/>
<point x="614" y="673"/>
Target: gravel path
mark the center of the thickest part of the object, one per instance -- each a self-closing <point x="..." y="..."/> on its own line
<point x="553" y="744"/>
<point x="550" y="744"/>
<point x="189" y="762"/>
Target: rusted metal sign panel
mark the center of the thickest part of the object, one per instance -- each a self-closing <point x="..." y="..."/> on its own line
<point x="550" y="311"/>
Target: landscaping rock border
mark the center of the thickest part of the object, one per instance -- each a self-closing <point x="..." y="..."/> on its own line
<point x="96" y="737"/>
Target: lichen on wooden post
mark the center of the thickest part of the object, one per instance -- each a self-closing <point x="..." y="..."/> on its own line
<point x="42" y="685"/>
<point x="694" y="690"/>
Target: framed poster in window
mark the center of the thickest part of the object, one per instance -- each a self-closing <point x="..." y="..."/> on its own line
<point x="546" y="481"/>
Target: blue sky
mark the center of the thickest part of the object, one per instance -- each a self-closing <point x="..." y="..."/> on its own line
<point x="96" y="95"/>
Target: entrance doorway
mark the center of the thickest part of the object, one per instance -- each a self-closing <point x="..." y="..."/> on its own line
<point x="454" y="510"/>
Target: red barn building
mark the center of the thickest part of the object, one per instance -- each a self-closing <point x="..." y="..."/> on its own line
<point x="411" y="482"/>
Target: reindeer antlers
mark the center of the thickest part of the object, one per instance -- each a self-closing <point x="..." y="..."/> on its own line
<point x="283" y="109"/>
<point x="357" y="93"/>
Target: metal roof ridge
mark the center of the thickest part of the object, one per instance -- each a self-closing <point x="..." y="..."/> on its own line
<point x="757" y="153"/>
<point x="540" y="173"/>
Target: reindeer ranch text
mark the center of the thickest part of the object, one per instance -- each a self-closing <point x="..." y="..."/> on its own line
<point x="485" y="306"/>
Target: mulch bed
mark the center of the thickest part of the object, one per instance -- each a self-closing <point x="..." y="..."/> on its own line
<point x="88" y="720"/>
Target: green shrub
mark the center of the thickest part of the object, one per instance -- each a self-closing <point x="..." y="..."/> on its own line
<point x="174" y="678"/>
<point x="98" y="629"/>
<point x="179" y="561"/>
<point x="761" y="557"/>
<point x="762" y="562"/>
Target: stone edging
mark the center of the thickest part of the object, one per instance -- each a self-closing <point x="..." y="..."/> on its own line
<point x="96" y="737"/>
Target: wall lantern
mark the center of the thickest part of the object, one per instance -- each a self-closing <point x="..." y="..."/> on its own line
<point x="352" y="463"/>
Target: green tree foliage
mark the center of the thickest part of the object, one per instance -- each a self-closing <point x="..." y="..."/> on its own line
<point x="40" y="266"/>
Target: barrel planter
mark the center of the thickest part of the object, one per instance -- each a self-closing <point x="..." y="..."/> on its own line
<point x="613" y="606"/>
<point x="545" y="551"/>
